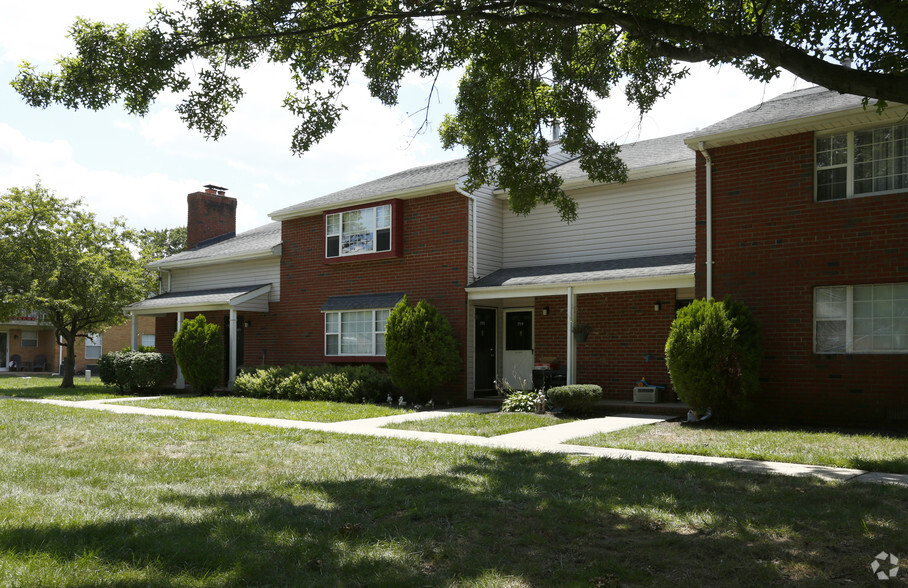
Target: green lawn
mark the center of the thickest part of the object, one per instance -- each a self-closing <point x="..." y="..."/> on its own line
<point x="96" y="499"/>
<point x="868" y="451"/>
<point x="323" y="412"/>
<point x="49" y="387"/>
<point x="482" y="425"/>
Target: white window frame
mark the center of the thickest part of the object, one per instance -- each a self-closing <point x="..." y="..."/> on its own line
<point x="94" y="341"/>
<point x="850" y="322"/>
<point x="147" y="340"/>
<point x="31" y="337"/>
<point x="376" y="334"/>
<point x="849" y="163"/>
<point x="337" y="218"/>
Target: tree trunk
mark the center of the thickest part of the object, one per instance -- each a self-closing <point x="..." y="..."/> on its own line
<point x="69" y="364"/>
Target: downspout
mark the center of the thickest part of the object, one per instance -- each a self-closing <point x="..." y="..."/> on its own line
<point x="709" y="219"/>
<point x="571" y="350"/>
<point x="475" y="225"/>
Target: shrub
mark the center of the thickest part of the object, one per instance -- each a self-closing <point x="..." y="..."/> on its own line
<point x="713" y="356"/>
<point x="523" y="401"/>
<point x="107" y="368"/>
<point x="575" y="398"/>
<point x="330" y="383"/>
<point x="199" y="349"/>
<point x="134" y="371"/>
<point x="420" y="349"/>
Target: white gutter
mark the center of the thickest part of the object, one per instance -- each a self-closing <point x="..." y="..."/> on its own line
<point x="475" y="269"/>
<point x="709" y="220"/>
<point x="301" y="210"/>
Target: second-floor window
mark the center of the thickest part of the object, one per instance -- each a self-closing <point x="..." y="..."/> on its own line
<point x="356" y="232"/>
<point x="862" y="162"/>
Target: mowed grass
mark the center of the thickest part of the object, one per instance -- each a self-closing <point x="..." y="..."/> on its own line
<point x="323" y="412"/>
<point x="96" y="499"/>
<point x="862" y="450"/>
<point x="49" y="387"/>
<point x="482" y="425"/>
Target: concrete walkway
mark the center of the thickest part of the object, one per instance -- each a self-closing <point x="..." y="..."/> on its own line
<point x="552" y="439"/>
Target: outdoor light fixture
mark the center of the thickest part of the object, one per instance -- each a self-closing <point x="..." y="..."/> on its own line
<point x="545" y="311"/>
<point x="657" y="306"/>
<point x="247" y="324"/>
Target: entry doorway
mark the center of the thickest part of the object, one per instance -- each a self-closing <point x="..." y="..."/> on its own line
<point x="519" y="354"/>
<point x="484" y="351"/>
<point x="4" y="352"/>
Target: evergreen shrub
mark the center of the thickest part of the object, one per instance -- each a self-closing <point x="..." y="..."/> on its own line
<point x="713" y="355"/>
<point x="199" y="349"/>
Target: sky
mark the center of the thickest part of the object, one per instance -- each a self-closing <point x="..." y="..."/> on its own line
<point x="141" y="169"/>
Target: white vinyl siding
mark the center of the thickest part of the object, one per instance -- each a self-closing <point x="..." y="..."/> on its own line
<point x="489" y="212"/>
<point x="654" y="216"/>
<point x="242" y="273"/>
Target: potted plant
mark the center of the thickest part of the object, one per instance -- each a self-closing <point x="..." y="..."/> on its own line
<point x="582" y="331"/>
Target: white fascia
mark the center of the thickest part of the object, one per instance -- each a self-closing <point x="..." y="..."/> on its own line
<point x="301" y="210"/>
<point x="627" y="285"/>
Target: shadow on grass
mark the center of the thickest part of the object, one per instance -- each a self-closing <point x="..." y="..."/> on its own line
<point x="501" y="518"/>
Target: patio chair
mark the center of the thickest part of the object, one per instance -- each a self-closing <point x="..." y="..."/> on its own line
<point x="40" y="363"/>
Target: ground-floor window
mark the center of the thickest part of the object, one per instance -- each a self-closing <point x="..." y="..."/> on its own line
<point x="861" y="319"/>
<point x="356" y="332"/>
<point x="93" y="346"/>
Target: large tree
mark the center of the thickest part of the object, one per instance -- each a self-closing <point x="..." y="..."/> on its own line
<point x="527" y="63"/>
<point x="58" y="260"/>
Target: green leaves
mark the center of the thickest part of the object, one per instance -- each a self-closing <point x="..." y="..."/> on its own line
<point x="57" y="259"/>
<point x="528" y="64"/>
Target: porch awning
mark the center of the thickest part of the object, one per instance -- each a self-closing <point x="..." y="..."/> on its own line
<point x="246" y="298"/>
<point x="362" y="301"/>
<point x="614" y="275"/>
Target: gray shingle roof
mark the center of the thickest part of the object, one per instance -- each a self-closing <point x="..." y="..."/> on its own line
<point x="591" y="271"/>
<point x="417" y="177"/>
<point x="194" y="298"/>
<point x="259" y="239"/>
<point x="789" y="106"/>
<point x="641" y="154"/>
<point x="363" y="301"/>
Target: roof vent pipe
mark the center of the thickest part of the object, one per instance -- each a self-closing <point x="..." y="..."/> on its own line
<point x="847" y="62"/>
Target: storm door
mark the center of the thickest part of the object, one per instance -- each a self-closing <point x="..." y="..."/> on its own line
<point x="518" y="348"/>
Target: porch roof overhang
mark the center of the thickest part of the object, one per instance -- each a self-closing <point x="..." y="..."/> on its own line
<point x="614" y="275"/>
<point x="241" y="298"/>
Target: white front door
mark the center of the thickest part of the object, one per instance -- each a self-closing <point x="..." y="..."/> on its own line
<point x="518" y="358"/>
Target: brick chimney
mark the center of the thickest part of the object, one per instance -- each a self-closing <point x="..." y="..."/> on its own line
<point x="211" y="214"/>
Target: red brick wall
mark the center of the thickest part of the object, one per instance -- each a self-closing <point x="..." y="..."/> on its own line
<point x="626" y="328"/>
<point x="433" y="266"/>
<point x="772" y="245"/>
<point x="210" y="215"/>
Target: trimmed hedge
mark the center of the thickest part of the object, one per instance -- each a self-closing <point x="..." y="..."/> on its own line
<point x="136" y="371"/>
<point x="355" y="383"/>
<point x="576" y="398"/>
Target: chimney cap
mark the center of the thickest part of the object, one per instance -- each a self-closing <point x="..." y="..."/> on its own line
<point x="213" y="188"/>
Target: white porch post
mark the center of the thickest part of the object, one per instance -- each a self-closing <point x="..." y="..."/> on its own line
<point x="181" y="382"/>
<point x="134" y="334"/>
<point x="571" y="348"/>
<point x="232" y="363"/>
